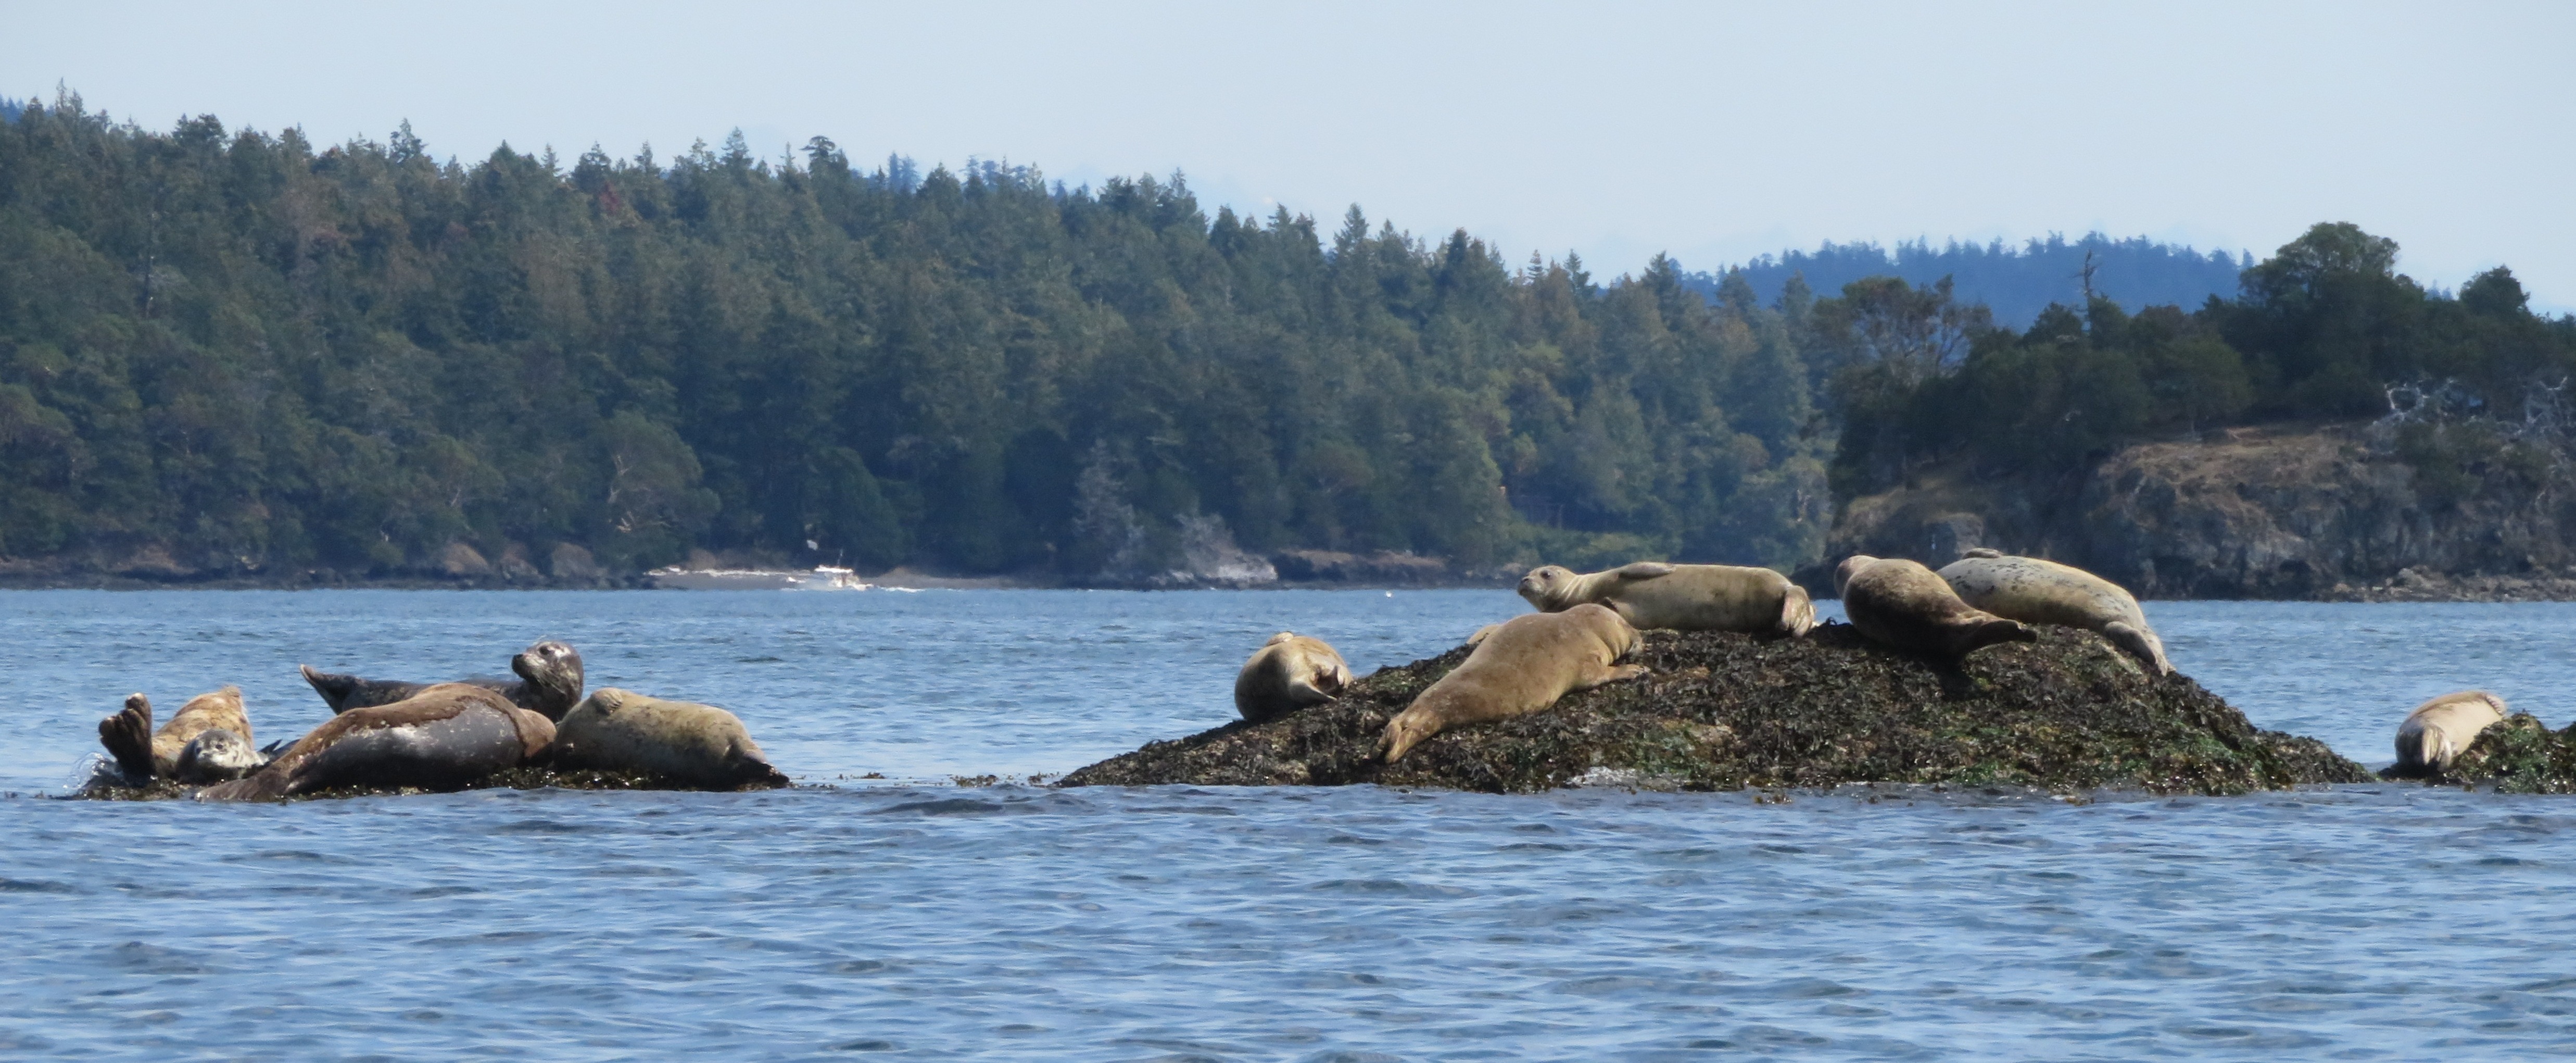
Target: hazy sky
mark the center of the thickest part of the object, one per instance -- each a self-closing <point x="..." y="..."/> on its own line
<point x="1711" y="131"/>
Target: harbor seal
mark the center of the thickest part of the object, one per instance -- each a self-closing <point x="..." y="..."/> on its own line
<point x="208" y="740"/>
<point x="1651" y="594"/>
<point x="1904" y="605"/>
<point x="549" y="683"/>
<point x="1522" y="667"/>
<point x="1288" y="673"/>
<point x="682" y="741"/>
<point x="2438" y="731"/>
<point x="444" y="738"/>
<point x="2037" y="591"/>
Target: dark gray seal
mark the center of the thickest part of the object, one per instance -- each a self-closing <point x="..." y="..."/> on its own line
<point x="549" y="683"/>
<point x="446" y="737"/>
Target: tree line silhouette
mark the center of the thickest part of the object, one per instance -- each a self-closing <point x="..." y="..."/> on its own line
<point x="249" y="353"/>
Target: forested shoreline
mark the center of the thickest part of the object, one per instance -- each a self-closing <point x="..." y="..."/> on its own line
<point x="228" y="355"/>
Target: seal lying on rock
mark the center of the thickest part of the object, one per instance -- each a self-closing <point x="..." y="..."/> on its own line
<point x="1288" y="673"/>
<point x="208" y="741"/>
<point x="691" y="744"/>
<point x="1902" y="604"/>
<point x="1651" y="594"/>
<point x="2035" y="591"/>
<point x="444" y="738"/>
<point x="1522" y="667"/>
<point x="2438" y="731"/>
<point x="549" y="683"/>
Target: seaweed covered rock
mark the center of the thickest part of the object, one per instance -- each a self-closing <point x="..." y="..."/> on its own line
<point x="1727" y="711"/>
<point x="2519" y="755"/>
<point x="107" y="785"/>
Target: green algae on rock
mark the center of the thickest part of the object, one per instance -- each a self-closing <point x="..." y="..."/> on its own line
<point x="2518" y="755"/>
<point x="1727" y="711"/>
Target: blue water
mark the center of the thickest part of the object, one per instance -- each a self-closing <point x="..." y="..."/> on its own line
<point x="916" y="918"/>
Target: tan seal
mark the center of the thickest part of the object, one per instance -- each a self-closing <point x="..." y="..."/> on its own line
<point x="2037" y="591"/>
<point x="1522" y="667"/>
<point x="2438" y="731"/>
<point x="680" y="741"/>
<point x="447" y="737"/>
<point x="1288" y="673"/>
<point x="1651" y="594"/>
<point x="208" y="740"/>
<point x="1900" y="603"/>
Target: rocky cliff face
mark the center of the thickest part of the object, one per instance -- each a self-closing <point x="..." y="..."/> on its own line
<point x="2337" y="512"/>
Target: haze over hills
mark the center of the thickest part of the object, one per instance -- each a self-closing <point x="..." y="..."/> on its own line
<point x="2016" y="283"/>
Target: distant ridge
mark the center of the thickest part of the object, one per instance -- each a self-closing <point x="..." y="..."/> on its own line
<point x="10" y="109"/>
<point x="2016" y="283"/>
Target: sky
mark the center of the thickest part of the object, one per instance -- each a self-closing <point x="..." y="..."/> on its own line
<point x="1710" y="131"/>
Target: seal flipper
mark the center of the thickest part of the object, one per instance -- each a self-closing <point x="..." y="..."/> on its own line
<point x="128" y="738"/>
<point x="2138" y="644"/>
<point x="346" y="692"/>
<point x="1992" y="632"/>
<point x="1797" y="612"/>
<point x="1644" y="570"/>
<point x="335" y="689"/>
<point x="1306" y="693"/>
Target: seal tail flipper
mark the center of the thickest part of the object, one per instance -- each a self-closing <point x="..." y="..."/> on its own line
<point x="1797" y="612"/>
<point x="128" y="738"/>
<point x="1306" y="693"/>
<point x="335" y="689"/>
<point x="1994" y="631"/>
<point x="2139" y="644"/>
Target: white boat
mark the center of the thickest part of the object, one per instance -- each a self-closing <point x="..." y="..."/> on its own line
<point x="822" y="578"/>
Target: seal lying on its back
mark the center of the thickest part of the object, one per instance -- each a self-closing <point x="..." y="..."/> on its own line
<point x="1288" y="673"/>
<point x="208" y="741"/>
<point x="2437" y="731"/>
<point x="549" y="683"/>
<point x="2045" y="592"/>
<point x="1902" y="604"/>
<point x="1651" y="594"/>
<point x="1522" y="667"/>
<point x="685" y="742"/>
<point x="444" y="738"/>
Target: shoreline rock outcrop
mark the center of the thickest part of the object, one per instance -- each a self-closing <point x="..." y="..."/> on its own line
<point x="2335" y="512"/>
<point x="1726" y="711"/>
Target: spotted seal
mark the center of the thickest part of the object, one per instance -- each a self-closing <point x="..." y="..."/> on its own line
<point x="1288" y="673"/>
<point x="1651" y="594"/>
<point x="2037" y="591"/>
<point x="208" y="740"/>
<point x="680" y="741"/>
